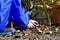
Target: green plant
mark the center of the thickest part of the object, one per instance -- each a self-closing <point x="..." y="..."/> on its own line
<point x="42" y="8"/>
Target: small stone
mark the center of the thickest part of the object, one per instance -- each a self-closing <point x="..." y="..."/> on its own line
<point x="18" y="31"/>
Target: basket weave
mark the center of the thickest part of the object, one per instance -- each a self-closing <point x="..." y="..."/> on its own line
<point x="56" y="14"/>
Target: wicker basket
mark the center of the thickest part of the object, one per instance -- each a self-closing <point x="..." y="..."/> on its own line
<point x="56" y="14"/>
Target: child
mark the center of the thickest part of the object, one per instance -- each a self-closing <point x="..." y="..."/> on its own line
<point x="13" y="10"/>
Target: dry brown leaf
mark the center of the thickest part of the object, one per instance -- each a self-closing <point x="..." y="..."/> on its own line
<point x="50" y="32"/>
<point x="26" y="33"/>
<point x="34" y="30"/>
<point x="56" y="29"/>
<point x="39" y="30"/>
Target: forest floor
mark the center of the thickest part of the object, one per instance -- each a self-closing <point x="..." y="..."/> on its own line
<point x="40" y="33"/>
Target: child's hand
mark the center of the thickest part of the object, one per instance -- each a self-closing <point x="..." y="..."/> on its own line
<point x="32" y="24"/>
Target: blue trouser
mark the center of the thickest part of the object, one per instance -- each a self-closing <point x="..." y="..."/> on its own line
<point x="13" y="10"/>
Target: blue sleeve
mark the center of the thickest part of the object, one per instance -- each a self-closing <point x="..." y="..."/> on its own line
<point x="19" y="14"/>
<point x="4" y="12"/>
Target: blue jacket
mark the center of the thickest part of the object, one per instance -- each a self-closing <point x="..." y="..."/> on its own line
<point x="13" y="10"/>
